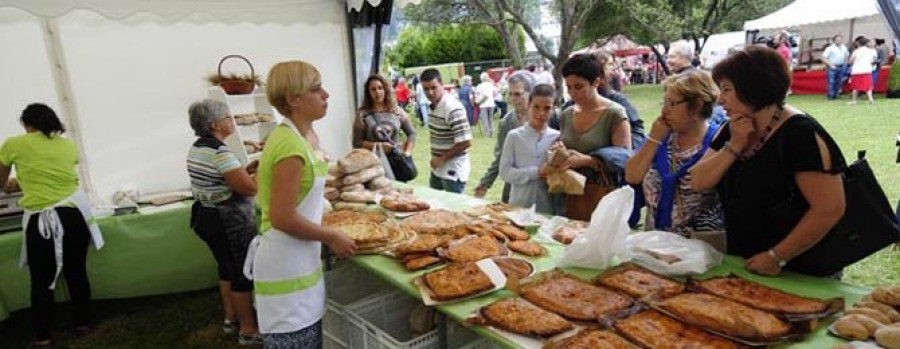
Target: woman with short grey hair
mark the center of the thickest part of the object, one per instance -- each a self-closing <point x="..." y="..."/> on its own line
<point x="223" y="214"/>
<point x="520" y="85"/>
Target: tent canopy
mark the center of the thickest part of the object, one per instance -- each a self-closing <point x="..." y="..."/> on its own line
<point x="619" y="45"/>
<point x="806" y="12"/>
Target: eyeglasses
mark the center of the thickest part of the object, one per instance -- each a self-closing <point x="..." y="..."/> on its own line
<point x="517" y="94"/>
<point x="671" y="104"/>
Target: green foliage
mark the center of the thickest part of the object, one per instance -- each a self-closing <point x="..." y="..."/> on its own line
<point x="894" y="82"/>
<point x="447" y="43"/>
<point x="606" y="21"/>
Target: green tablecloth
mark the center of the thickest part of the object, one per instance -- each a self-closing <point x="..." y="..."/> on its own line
<point x="145" y="254"/>
<point x="392" y="271"/>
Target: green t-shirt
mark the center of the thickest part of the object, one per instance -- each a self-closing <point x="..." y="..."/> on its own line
<point x="45" y="168"/>
<point x="284" y="143"/>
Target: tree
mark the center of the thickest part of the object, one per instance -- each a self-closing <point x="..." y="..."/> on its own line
<point x="694" y="19"/>
<point x="487" y="12"/>
<point x="418" y="46"/>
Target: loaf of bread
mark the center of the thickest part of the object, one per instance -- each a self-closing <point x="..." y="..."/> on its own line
<point x="357" y="160"/>
<point x="872" y="313"/>
<point x="332" y="194"/>
<point x="889" y="295"/>
<point x="358" y="196"/>
<point x="888" y="336"/>
<point x="365" y="175"/>
<point x="332" y="181"/>
<point x="885" y="309"/>
<point x="350" y="206"/>
<point x="335" y="170"/>
<point x="353" y="187"/>
<point x="379" y="183"/>
<point x="851" y="328"/>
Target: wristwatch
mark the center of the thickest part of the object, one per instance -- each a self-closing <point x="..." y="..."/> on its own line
<point x="781" y="262"/>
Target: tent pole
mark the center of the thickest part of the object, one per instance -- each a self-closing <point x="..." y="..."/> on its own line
<point x="63" y="86"/>
<point x="852" y="22"/>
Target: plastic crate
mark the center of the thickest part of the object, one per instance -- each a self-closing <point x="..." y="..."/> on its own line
<point x="460" y="337"/>
<point x="345" y="285"/>
<point x="329" y="342"/>
<point x="382" y="322"/>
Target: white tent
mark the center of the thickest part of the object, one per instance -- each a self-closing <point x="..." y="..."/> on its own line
<point x="716" y="47"/>
<point x="824" y="19"/>
<point x="121" y="73"/>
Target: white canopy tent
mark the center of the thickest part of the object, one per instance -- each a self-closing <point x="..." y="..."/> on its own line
<point x="823" y="19"/>
<point x="121" y="73"/>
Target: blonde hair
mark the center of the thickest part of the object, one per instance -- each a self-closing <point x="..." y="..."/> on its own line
<point x="695" y="86"/>
<point x="289" y="78"/>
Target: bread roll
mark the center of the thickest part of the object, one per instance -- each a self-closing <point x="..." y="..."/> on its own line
<point x="888" y="337"/>
<point x="851" y="328"/>
<point x="335" y="170"/>
<point x="353" y="187"/>
<point x="885" y="309"/>
<point x="332" y="194"/>
<point x="871" y="324"/>
<point x="365" y="175"/>
<point x="358" y="196"/>
<point x="332" y="181"/>
<point x="889" y="295"/>
<point x="872" y="313"/>
<point x="357" y="160"/>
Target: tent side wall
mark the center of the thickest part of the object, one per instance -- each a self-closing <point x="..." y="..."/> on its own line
<point x="133" y="79"/>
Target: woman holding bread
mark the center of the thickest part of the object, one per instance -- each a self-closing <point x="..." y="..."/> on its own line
<point x="286" y="264"/>
<point x="379" y="120"/>
<point x="223" y="214"/>
<point x="767" y="155"/>
<point x="678" y="139"/>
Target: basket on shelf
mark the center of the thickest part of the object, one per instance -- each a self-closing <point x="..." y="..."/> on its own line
<point x="234" y="85"/>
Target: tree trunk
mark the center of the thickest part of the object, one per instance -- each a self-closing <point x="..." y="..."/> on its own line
<point x="511" y="43"/>
<point x="661" y="60"/>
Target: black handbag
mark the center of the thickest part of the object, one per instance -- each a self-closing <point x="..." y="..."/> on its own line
<point x="402" y="165"/>
<point x="868" y="225"/>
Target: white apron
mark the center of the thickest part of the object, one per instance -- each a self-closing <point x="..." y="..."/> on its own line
<point x="50" y="227"/>
<point x="287" y="271"/>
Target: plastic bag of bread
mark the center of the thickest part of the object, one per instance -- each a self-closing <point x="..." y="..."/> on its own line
<point x="889" y="295"/>
<point x="357" y="160"/>
<point x="358" y="196"/>
<point x="379" y="183"/>
<point x="353" y="187"/>
<point x="365" y="175"/>
<point x="332" y="194"/>
<point x="888" y="336"/>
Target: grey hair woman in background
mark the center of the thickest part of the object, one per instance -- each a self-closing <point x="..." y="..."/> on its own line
<point x="520" y="85"/>
<point x="223" y="214"/>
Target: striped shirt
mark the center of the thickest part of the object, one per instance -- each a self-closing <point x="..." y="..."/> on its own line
<point x="207" y="162"/>
<point x="449" y="126"/>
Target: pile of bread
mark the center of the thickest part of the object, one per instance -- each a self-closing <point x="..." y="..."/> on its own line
<point x="355" y="179"/>
<point x="252" y="118"/>
<point x="875" y="316"/>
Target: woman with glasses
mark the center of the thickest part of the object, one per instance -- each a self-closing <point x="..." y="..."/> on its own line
<point x="678" y="139"/>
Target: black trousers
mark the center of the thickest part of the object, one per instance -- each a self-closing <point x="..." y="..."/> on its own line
<point x="42" y="266"/>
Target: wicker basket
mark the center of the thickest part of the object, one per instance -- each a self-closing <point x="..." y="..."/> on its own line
<point x="237" y="87"/>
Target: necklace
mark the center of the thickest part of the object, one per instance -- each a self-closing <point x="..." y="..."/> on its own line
<point x="762" y="139"/>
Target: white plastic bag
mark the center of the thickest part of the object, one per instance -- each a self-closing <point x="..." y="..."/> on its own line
<point x="672" y="254"/>
<point x="604" y="240"/>
<point x="379" y="152"/>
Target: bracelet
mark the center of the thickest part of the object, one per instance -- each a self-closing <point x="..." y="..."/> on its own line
<point x="775" y="257"/>
<point x="731" y="150"/>
<point x="653" y="140"/>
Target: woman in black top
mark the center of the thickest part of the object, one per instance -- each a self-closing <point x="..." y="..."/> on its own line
<point x="769" y="151"/>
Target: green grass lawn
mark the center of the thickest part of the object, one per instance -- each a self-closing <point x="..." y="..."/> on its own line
<point x="193" y="319"/>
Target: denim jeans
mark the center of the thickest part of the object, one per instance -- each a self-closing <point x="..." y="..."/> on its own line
<point x="453" y="186"/>
<point x="833" y="89"/>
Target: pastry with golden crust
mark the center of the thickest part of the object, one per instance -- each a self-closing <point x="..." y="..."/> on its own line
<point x="423" y="244"/>
<point x="760" y="296"/>
<point x="365" y="232"/>
<point x="438" y="222"/>
<point x="528" y="248"/>
<point x="404" y="204"/>
<point x="574" y="298"/>
<point x="513" y="232"/>
<point x="639" y="283"/>
<point x="652" y="329"/>
<point x="421" y="262"/>
<point x="567" y="232"/>
<point x="510" y="267"/>
<point x="474" y="249"/>
<point x="344" y="217"/>
<point x="726" y="316"/>
<point x="458" y="280"/>
<point x="592" y="338"/>
<point x="517" y="316"/>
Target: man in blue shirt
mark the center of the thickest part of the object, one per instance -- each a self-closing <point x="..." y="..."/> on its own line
<point x="835" y="57"/>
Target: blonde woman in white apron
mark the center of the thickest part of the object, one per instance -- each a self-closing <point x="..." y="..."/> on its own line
<point x="286" y="265"/>
<point x="58" y="221"/>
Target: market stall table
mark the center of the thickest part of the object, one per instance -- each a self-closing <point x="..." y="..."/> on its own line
<point x="394" y="272"/>
<point x="145" y="254"/>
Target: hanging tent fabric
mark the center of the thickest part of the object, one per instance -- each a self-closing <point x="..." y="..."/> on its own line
<point x="890" y="10"/>
<point x="122" y="73"/>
